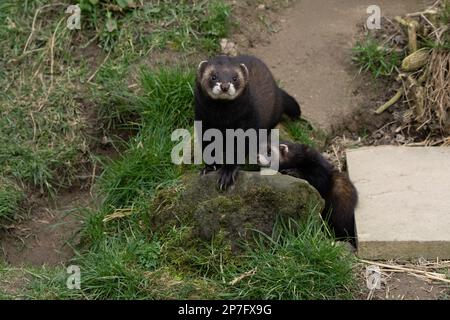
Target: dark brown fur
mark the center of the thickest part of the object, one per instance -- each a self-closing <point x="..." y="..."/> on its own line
<point x="342" y="202"/>
<point x="335" y="187"/>
<point x="258" y="104"/>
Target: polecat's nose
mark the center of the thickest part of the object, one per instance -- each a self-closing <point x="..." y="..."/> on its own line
<point x="225" y="87"/>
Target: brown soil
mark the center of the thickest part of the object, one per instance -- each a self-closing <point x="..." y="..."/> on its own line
<point x="49" y="233"/>
<point x="402" y="286"/>
<point x="257" y="21"/>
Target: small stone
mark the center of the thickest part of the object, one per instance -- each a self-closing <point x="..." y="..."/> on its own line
<point x="228" y="47"/>
<point x="105" y="140"/>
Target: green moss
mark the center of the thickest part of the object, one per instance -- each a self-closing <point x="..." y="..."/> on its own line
<point x="232" y="217"/>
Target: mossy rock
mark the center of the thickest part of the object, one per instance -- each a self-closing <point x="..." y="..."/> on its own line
<point x="255" y="202"/>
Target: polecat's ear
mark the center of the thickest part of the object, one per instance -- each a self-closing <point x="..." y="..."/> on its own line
<point x="284" y="149"/>
<point x="245" y="71"/>
<point x="201" y="67"/>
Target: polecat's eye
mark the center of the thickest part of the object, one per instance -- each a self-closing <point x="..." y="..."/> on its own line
<point x="213" y="77"/>
<point x="235" y="79"/>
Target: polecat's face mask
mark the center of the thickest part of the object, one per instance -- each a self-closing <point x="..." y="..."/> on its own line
<point x="223" y="82"/>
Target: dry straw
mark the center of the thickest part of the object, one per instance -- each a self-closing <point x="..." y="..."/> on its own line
<point x="425" y="76"/>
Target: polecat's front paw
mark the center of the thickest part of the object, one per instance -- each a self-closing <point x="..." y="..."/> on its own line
<point x="227" y="177"/>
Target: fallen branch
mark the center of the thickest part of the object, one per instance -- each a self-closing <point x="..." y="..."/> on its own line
<point x="402" y="21"/>
<point x="431" y="10"/>
<point x="393" y="100"/>
<point x="412" y="26"/>
<point x="412" y="36"/>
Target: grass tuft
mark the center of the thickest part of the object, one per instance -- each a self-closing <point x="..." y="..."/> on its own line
<point x="377" y="60"/>
<point x="146" y="166"/>
<point x="299" y="262"/>
<point x="302" y="132"/>
<point x="11" y="198"/>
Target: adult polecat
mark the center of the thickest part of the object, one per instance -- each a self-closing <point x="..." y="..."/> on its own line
<point x="238" y="93"/>
<point x="336" y="189"/>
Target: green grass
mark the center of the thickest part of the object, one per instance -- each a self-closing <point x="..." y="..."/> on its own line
<point x="50" y="123"/>
<point x="166" y="105"/>
<point x="41" y="148"/>
<point x="178" y="25"/>
<point x="11" y="198"/>
<point x="42" y="141"/>
<point x="299" y="262"/>
<point x="444" y="16"/>
<point x="49" y="126"/>
<point x="373" y="58"/>
<point x="125" y="258"/>
<point x="444" y="19"/>
<point x="145" y="167"/>
<point x="302" y="132"/>
<point x="381" y="60"/>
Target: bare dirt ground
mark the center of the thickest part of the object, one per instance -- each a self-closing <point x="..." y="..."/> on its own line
<point x="311" y="54"/>
<point x="48" y="234"/>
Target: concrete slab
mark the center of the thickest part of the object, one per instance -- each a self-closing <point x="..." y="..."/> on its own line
<point x="404" y="201"/>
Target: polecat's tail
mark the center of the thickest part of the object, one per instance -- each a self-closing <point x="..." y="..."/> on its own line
<point x="290" y="105"/>
<point x="344" y="198"/>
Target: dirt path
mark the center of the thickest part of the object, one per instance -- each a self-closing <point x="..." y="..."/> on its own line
<point x="311" y="53"/>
